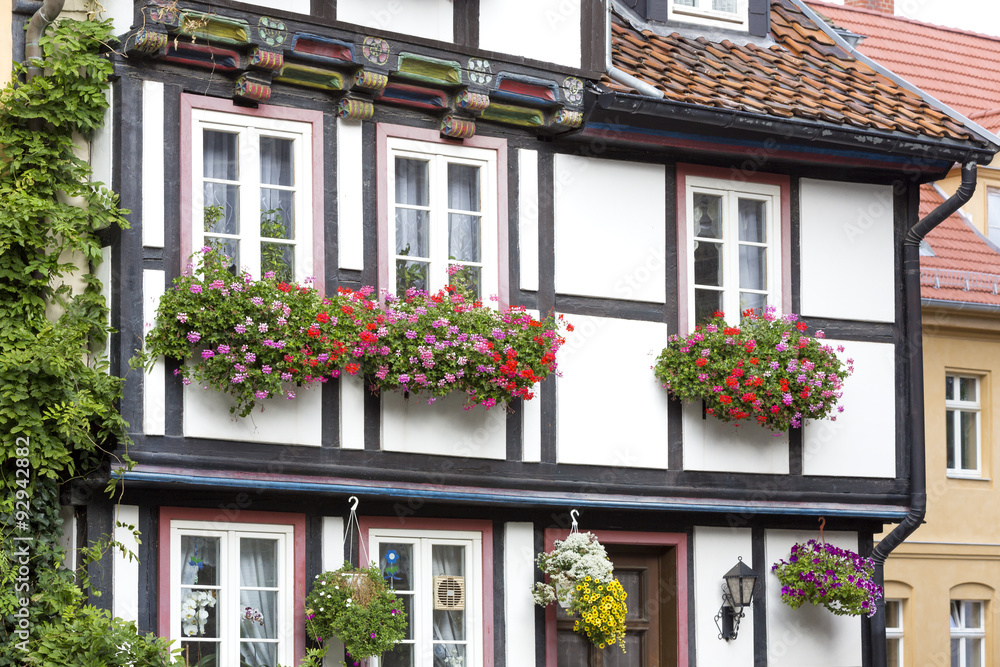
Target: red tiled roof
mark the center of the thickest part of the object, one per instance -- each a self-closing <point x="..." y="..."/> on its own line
<point x="805" y="75"/>
<point x="957" y="67"/>
<point x="964" y="267"/>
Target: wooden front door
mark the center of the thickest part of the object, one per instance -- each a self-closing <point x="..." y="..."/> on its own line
<point x="649" y="578"/>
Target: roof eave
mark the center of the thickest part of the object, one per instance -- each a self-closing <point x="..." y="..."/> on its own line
<point x="960" y="305"/>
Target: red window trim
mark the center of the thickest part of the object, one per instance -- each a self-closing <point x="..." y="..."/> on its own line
<point x="472" y="525"/>
<point x="385" y="130"/>
<point x="783" y="182"/>
<point x="636" y="538"/>
<point x="315" y="118"/>
<point x="215" y="516"/>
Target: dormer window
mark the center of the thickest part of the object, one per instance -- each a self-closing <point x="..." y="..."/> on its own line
<point x="729" y="14"/>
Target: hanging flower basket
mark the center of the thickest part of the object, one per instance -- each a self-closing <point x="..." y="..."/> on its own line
<point x="356" y="606"/>
<point x="838" y="579"/>
<point x="261" y="339"/>
<point x="765" y="371"/>
<point x="581" y="580"/>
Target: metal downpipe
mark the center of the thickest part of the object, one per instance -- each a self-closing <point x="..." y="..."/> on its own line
<point x="45" y="15"/>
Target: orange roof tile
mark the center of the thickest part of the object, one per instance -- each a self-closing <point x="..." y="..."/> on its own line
<point x="965" y="267"/>
<point x="803" y="75"/>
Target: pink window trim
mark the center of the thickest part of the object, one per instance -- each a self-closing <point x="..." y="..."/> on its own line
<point x="315" y="118"/>
<point x="385" y="130"/>
<point x="783" y="182"/>
<point x="676" y="540"/>
<point x="472" y="525"/>
<point x="214" y="517"/>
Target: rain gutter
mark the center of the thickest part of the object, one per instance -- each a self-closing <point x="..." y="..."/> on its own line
<point x="41" y="19"/>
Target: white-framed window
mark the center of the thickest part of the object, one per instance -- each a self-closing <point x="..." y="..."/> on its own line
<point x="251" y="193"/>
<point x="968" y="633"/>
<point x="734" y="249"/>
<point x="993" y="214"/>
<point x="963" y="427"/>
<point x="231" y="599"/>
<point x="442" y="212"/>
<point x="731" y="14"/>
<point x="438" y="576"/>
<point x="894" y="633"/>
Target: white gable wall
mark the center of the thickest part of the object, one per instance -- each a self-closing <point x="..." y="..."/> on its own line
<point x="716" y="550"/>
<point x="432" y="19"/>
<point x="847" y="267"/>
<point x="551" y="35"/>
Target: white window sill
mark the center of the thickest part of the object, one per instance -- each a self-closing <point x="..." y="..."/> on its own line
<point x="969" y="476"/>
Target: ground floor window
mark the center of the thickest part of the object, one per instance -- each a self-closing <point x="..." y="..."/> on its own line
<point x="968" y="633"/>
<point x="894" y="633"/>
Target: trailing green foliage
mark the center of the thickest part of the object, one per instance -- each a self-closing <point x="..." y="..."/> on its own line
<point x="58" y="416"/>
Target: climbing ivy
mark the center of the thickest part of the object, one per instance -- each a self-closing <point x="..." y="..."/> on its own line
<point x="58" y="416"/>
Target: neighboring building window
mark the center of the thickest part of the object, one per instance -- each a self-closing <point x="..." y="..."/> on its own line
<point x="734" y="253"/>
<point x="438" y="575"/>
<point x="730" y="14"/>
<point x="993" y="214"/>
<point x="441" y="220"/>
<point x="968" y="633"/>
<point x="894" y="633"/>
<point x="962" y="427"/>
<point x="251" y="193"/>
<point x="231" y="592"/>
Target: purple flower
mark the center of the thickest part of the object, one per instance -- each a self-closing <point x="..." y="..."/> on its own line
<point x="193" y="337"/>
<point x="207" y="354"/>
<point x="195" y="289"/>
<point x="240" y="329"/>
<point x="223" y="349"/>
<point x="266" y="370"/>
<point x="260" y="395"/>
<point x="182" y="318"/>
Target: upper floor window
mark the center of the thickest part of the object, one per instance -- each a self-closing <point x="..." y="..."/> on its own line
<point x="962" y="425"/>
<point x="894" y="633"/>
<point x="968" y="633"/>
<point x="734" y="249"/>
<point x="731" y="14"/>
<point x="993" y="214"/>
<point x="442" y="223"/>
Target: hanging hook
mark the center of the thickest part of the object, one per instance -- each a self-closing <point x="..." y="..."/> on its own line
<point x="572" y="515"/>
<point x="822" y="525"/>
<point x="353" y="499"/>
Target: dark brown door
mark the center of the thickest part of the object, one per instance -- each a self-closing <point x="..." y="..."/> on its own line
<point x="648" y="577"/>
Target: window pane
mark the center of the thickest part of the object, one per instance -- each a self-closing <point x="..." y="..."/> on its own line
<point x="405" y="602"/>
<point x="202" y="654"/>
<point x="956" y="614"/>
<point x="633" y="656"/>
<point x="753" y="267"/>
<point x="463" y="237"/>
<point x="280" y="258"/>
<point x="449" y="655"/>
<point x="463" y="187"/>
<point x="199" y="613"/>
<point x="973" y="652"/>
<point x="685" y="3"/>
<point x="221" y="210"/>
<point x="276" y="161"/>
<point x="892" y="615"/>
<point x="468" y="279"/>
<point x="401" y="656"/>
<point x="892" y="653"/>
<point x="752" y="218"/>
<point x="258" y="562"/>
<point x="751" y="300"/>
<point x="412" y="185"/>
<point x="631" y="581"/>
<point x="973" y="614"/>
<point x="258" y="654"/>
<point x="970" y="455"/>
<point x="410" y="274"/>
<point x="949" y="387"/>
<point x="708" y="263"/>
<point x="220" y="156"/>
<point x="228" y="247"/>
<point x="396" y="563"/>
<point x="967" y="389"/>
<point x="956" y="653"/>
<point x="950" y="437"/>
<point x="200" y="560"/>
<point x="277" y="214"/>
<point x="412" y="233"/>
<point x="449" y="625"/>
<point x="258" y="614"/>
<point x="706" y="302"/>
<point x="707" y="216"/>
<point x="724" y="6"/>
<point x="993" y="214"/>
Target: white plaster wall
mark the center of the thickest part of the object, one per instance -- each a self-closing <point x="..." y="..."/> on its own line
<point x="67" y="539"/>
<point x="154" y="415"/>
<point x="809" y="636"/>
<point x="333" y="558"/>
<point x="519" y="578"/>
<point x="411" y="425"/>
<point x="120" y="13"/>
<point x="611" y="410"/>
<point x="283" y="421"/>
<point x="352" y="412"/>
<point x="527" y="217"/>
<point x="350" y="193"/>
<point x="102" y="145"/>
<point x="846" y="233"/>
<point x="125" y="603"/>
<point x="531" y="427"/>
<point x="716" y="550"/>
<point x="710" y="444"/>
<point x="103" y="273"/>
<point x="553" y="34"/>
<point x="296" y="6"/>
<point x="423" y="18"/>
<point x="152" y="164"/>
<point x="862" y="442"/>
<point x="609" y="246"/>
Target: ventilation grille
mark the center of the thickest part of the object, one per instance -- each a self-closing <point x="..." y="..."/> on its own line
<point x="449" y="593"/>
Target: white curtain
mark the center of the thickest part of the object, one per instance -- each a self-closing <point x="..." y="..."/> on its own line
<point x="258" y="568"/>
<point x="449" y="625"/>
